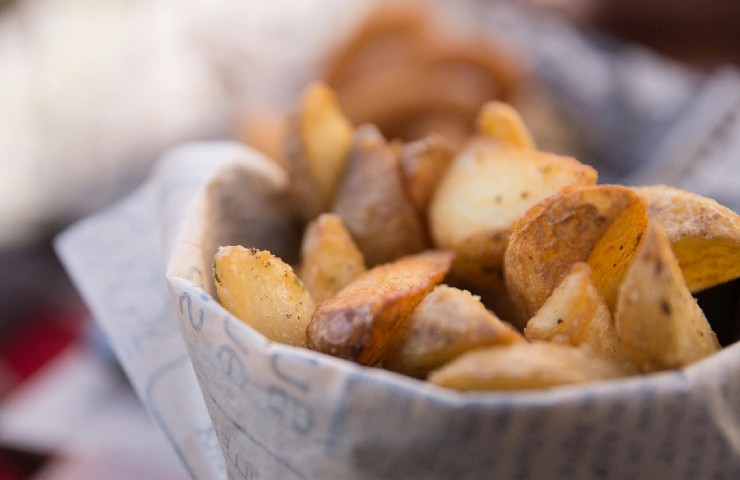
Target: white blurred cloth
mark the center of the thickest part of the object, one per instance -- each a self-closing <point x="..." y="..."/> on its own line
<point x="91" y="93"/>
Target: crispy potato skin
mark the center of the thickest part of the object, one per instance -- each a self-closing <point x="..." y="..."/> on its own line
<point x="555" y="233"/>
<point x="263" y="292"/>
<point x="330" y="259"/>
<point x="658" y="321"/>
<point x="372" y="201"/>
<point x="358" y="322"/>
<point x="523" y="366"/>
<point x="447" y="323"/>
<point x="704" y="235"/>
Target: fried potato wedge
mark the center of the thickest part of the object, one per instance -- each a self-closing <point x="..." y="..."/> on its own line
<point x="704" y="235"/>
<point x="329" y="257"/>
<point x="523" y="366"/>
<point x="501" y="122"/>
<point x="373" y="204"/>
<point x="423" y="162"/>
<point x="447" y="323"/>
<point x="659" y="323"/>
<point x="559" y="231"/>
<point x="486" y="189"/>
<point x="318" y="138"/>
<point x="263" y="292"/>
<point x="359" y="321"/>
<point x="576" y="314"/>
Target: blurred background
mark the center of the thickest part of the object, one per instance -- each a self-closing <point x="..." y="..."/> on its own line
<point x="92" y="92"/>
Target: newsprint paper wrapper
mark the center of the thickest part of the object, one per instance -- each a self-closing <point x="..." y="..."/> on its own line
<point x="236" y="406"/>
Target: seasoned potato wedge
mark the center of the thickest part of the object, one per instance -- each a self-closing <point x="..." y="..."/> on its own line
<point x="704" y="235"/>
<point x="423" y="162"/>
<point x="559" y="231"/>
<point x="263" y="292"/>
<point x="576" y="314"/>
<point x="501" y="122"/>
<point x="359" y="321"/>
<point x="523" y="366"/>
<point x="447" y="323"/>
<point x="373" y="204"/>
<point x="329" y="257"/>
<point x="658" y="321"/>
<point x="486" y="189"/>
<point x="318" y="137"/>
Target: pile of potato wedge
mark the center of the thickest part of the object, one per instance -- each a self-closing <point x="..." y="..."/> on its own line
<point x="492" y="266"/>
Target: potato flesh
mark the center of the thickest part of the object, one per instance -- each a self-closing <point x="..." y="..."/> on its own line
<point x="330" y="259"/>
<point x="576" y="314"/>
<point x="658" y="321"/>
<point x="447" y="323"/>
<point x="614" y="251"/>
<point x="523" y="366"/>
<point x="263" y="292"/>
<point x="359" y="321"/>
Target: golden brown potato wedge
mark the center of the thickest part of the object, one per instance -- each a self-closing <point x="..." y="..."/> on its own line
<point x="704" y="235"/>
<point x="501" y="122"/>
<point x="576" y="314"/>
<point x="263" y="292"/>
<point x="557" y="232"/>
<point x="447" y="323"/>
<point x="659" y="323"/>
<point x="317" y="141"/>
<point x="523" y="366"/>
<point x="373" y="204"/>
<point x="329" y="257"/>
<point x="423" y="162"/>
<point x="359" y="321"/>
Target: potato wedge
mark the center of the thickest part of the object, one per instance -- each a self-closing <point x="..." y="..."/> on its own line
<point x="359" y="321"/>
<point x="373" y="204"/>
<point x="447" y="323"/>
<point x="576" y="314"/>
<point x="557" y="232"/>
<point x="263" y="292"/>
<point x="423" y="162"/>
<point x="329" y="257"/>
<point x="704" y="235"/>
<point x="523" y="366"/>
<point x="489" y="186"/>
<point x="318" y="138"/>
<point x="501" y="122"/>
<point x="659" y="323"/>
<point x="486" y="189"/>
